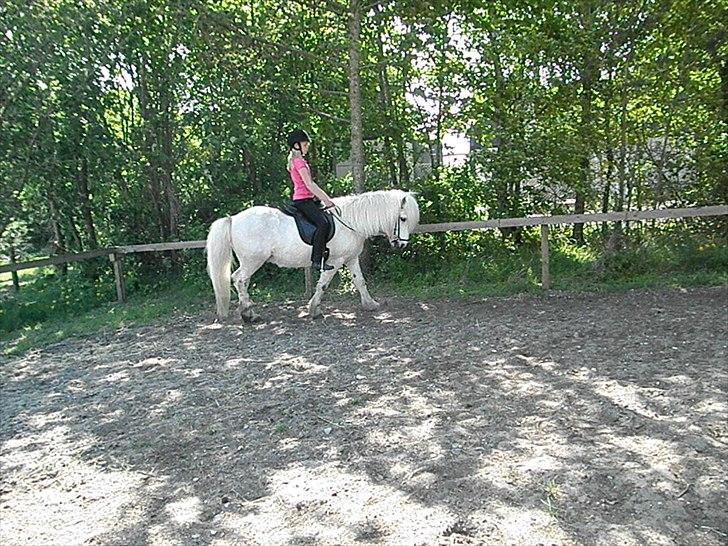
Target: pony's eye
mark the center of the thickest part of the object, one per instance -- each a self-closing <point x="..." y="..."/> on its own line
<point x="402" y="219"/>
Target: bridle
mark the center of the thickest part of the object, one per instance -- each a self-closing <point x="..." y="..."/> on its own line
<point x="396" y="233"/>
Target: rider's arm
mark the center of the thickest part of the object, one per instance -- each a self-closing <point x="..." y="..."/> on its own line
<point x="315" y="189"/>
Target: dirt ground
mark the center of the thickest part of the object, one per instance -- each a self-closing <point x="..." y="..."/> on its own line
<point x="579" y="419"/>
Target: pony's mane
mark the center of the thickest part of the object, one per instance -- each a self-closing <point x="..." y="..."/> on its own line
<point x="376" y="212"/>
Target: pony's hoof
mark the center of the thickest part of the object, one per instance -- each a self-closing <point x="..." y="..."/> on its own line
<point x="371" y="306"/>
<point x="315" y="313"/>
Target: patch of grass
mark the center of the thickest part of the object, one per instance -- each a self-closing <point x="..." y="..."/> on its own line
<point x="140" y="310"/>
<point x="496" y="270"/>
<point x="497" y="273"/>
<point x="24" y="275"/>
<point x="52" y="308"/>
<point x="659" y="262"/>
<point x="45" y="295"/>
<point x="551" y="495"/>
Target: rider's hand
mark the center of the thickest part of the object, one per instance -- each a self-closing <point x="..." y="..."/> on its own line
<point x="328" y="204"/>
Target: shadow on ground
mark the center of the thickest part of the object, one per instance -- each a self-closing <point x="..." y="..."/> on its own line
<point x="562" y="420"/>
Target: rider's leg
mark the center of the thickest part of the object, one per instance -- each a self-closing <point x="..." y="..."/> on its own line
<point x="312" y="211"/>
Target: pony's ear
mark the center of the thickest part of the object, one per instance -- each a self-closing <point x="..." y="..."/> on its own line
<point x="404" y="200"/>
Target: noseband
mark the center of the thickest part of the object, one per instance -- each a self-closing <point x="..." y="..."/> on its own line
<point x="396" y="233"/>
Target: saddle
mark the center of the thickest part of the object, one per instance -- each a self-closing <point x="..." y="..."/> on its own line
<point x="305" y="228"/>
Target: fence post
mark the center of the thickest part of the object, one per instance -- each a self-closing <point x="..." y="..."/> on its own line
<point x="118" y="263"/>
<point x="545" y="277"/>
<point x="309" y="281"/>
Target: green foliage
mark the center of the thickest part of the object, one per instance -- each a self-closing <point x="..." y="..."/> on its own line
<point x="455" y="195"/>
<point x="130" y="122"/>
<point x="51" y="295"/>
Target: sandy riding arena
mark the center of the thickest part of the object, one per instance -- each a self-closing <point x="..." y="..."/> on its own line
<point x="568" y="420"/>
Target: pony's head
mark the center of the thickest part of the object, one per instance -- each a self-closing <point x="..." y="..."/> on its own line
<point x="408" y="217"/>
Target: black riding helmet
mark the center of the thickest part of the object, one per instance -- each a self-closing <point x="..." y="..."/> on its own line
<point x="296" y="137"/>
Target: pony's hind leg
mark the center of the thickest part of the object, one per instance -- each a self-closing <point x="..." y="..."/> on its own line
<point x="241" y="281"/>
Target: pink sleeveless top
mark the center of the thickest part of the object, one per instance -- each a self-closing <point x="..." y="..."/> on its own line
<point x="300" y="191"/>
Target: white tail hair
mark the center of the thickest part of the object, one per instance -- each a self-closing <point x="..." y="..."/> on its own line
<point x="219" y="259"/>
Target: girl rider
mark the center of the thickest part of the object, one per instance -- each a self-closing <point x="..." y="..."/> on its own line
<point x="307" y="195"/>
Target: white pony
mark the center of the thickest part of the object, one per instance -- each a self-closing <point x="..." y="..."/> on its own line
<point x="264" y="234"/>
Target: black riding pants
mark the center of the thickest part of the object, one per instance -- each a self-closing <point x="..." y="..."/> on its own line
<point x="311" y="210"/>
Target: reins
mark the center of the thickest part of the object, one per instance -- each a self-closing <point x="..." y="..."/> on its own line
<point x="336" y="213"/>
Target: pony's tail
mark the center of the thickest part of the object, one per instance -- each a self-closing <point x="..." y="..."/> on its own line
<point x="219" y="259"/>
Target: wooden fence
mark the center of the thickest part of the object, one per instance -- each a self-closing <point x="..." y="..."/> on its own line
<point x="116" y="254"/>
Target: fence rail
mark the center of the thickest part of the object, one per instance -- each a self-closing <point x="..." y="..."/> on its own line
<point x="116" y="254"/>
<point x="157" y="247"/>
<point x="56" y="260"/>
<point x="627" y="216"/>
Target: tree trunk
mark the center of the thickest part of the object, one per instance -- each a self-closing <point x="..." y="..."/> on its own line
<point x="57" y="245"/>
<point x="386" y="105"/>
<point x="587" y="75"/>
<point x="639" y="197"/>
<point x="500" y="130"/>
<point x="357" y="136"/>
<point x="404" y="172"/>
<point x="357" y="141"/>
<point x="88" y="219"/>
<point x="167" y="178"/>
<point x="167" y="165"/>
<point x="14" y="274"/>
<point x="404" y="175"/>
<point x="606" y="191"/>
<point x="622" y="166"/>
<point x="75" y="234"/>
<point x="516" y="211"/>
<point x="438" y="128"/>
<point x="89" y="268"/>
<point x="432" y="150"/>
<point x="152" y="161"/>
<point x="579" y="207"/>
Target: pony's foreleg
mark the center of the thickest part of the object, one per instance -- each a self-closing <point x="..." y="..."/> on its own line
<point x="367" y="302"/>
<point x="241" y="281"/>
<point x="321" y="285"/>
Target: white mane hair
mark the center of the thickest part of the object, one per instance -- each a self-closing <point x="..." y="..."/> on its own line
<point x="377" y="212"/>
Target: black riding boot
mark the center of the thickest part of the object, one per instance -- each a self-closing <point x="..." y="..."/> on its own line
<point x="321" y="265"/>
